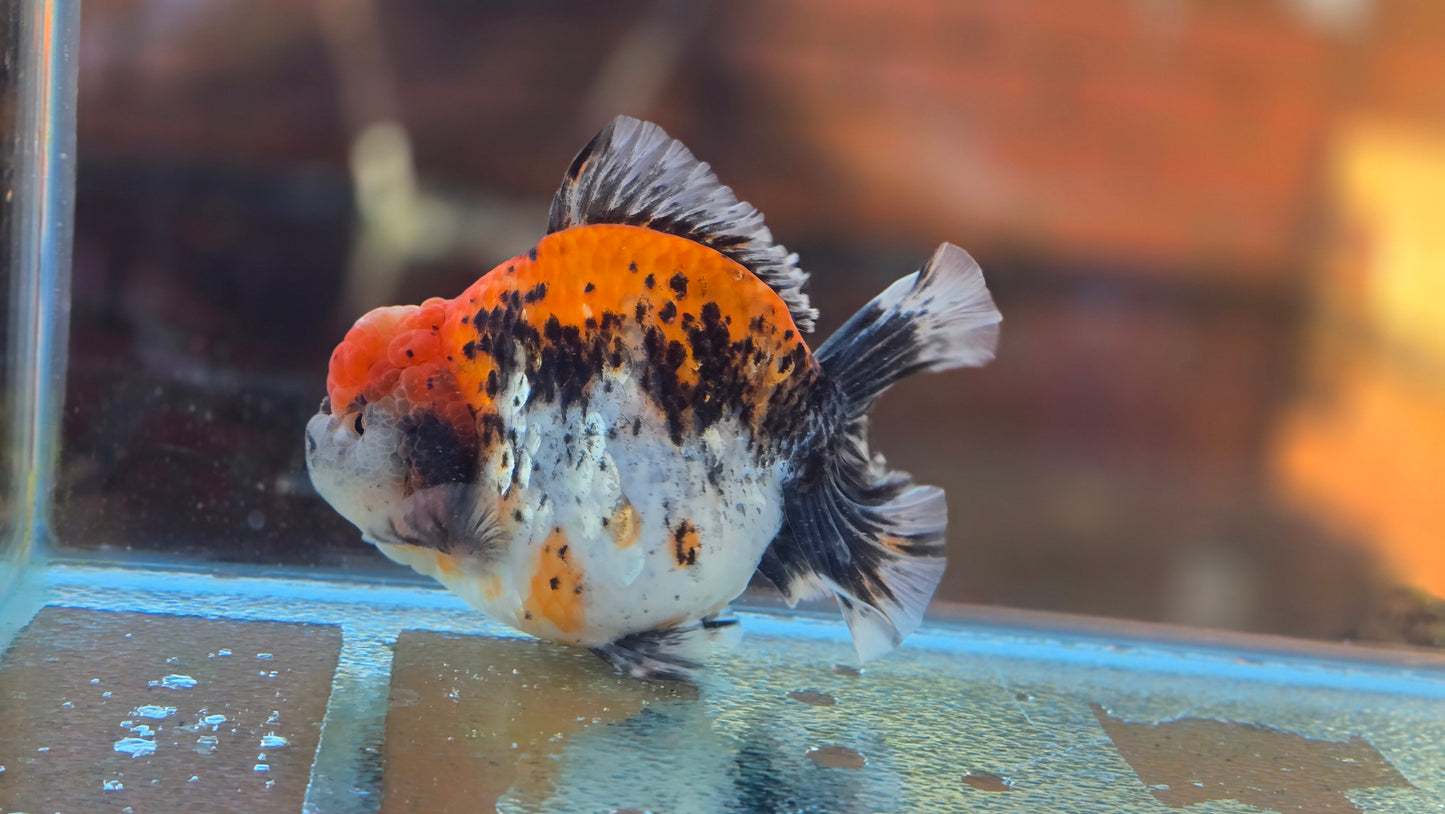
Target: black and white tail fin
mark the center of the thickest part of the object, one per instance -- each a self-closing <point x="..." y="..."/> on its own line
<point x="856" y="529"/>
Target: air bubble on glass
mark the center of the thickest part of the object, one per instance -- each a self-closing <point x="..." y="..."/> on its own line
<point x="135" y="747"/>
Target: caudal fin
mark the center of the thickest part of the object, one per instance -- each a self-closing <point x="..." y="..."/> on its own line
<point x="856" y="529"/>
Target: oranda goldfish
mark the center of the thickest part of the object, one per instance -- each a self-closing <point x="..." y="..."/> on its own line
<point x="601" y="440"/>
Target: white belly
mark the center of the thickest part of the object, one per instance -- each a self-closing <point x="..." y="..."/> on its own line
<point x="655" y="533"/>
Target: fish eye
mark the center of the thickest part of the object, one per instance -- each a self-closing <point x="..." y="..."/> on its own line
<point x="360" y="429"/>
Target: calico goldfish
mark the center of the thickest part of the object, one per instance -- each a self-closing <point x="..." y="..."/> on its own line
<point x="600" y="441"/>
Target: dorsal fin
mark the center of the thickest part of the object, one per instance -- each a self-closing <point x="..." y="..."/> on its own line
<point x="634" y="173"/>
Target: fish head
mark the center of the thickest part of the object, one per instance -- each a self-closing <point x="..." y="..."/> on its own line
<point x="393" y="447"/>
<point x="353" y="457"/>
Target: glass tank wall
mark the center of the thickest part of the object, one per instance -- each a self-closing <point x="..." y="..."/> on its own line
<point x="1217" y="411"/>
<point x="1217" y="397"/>
<point x="38" y="110"/>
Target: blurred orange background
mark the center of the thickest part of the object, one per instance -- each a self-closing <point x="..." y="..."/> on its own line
<point x="1215" y="230"/>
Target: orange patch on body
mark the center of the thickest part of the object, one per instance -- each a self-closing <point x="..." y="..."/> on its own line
<point x="581" y="273"/>
<point x="491" y="587"/>
<point x="447" y="564"/>
<point x="685" y="544"/>
<point x="430" y="355"/>
<point x="624" y="526"/>
<point x="556" y="588"/>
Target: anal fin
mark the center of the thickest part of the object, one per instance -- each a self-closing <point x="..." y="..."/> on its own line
<point x="674" y="653"/>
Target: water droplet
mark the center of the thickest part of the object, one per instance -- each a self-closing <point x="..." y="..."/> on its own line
<point x="135" y="747"/>
<point x="105" y="694"/>
<point x="260" y="767"/>
<point x="275" y="716"/>
<point x="143" y="731"/>
<point x="837" y="757"/>
<point x="813" y="698"/>
<point x="95" y="681"/>
<point x="263" y="655"/>
<point x="175" y="682"/>
<point x="256" y="519"/>
<point x="194" y="778"/>
<point x="223" y="652"/>
<point x="153" y="711"/>
<point x="68" y="705"/>
<point x="206" y="744"/>
<point x="273" y="741"/>
<point x="1023" y="696"/>
<point x="43" y="749"/>
<point x="112" y="785"/>
<point x="987" y="781"/>
<point x="213" y="720"/>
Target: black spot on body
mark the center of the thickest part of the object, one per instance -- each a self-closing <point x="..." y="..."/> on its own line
<point x="679" y="284"/>
<point x="589" y="288"/>
<point x="438" y="454"/>
<point x="532" y="254"/>
<point x="667" y="313"/>
<point x="555" y="583"/>
<point x="649" y="281"/>
<point x="538" y="293"/>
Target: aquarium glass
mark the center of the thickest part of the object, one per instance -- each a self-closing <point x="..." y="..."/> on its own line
<point x="1193" y="502"/>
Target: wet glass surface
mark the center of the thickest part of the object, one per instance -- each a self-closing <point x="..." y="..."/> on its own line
<point x="435" y="709"/>
<point x="161" y="713"/>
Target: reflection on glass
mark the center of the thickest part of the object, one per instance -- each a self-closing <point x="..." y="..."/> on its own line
<point x="39" y="189"/>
